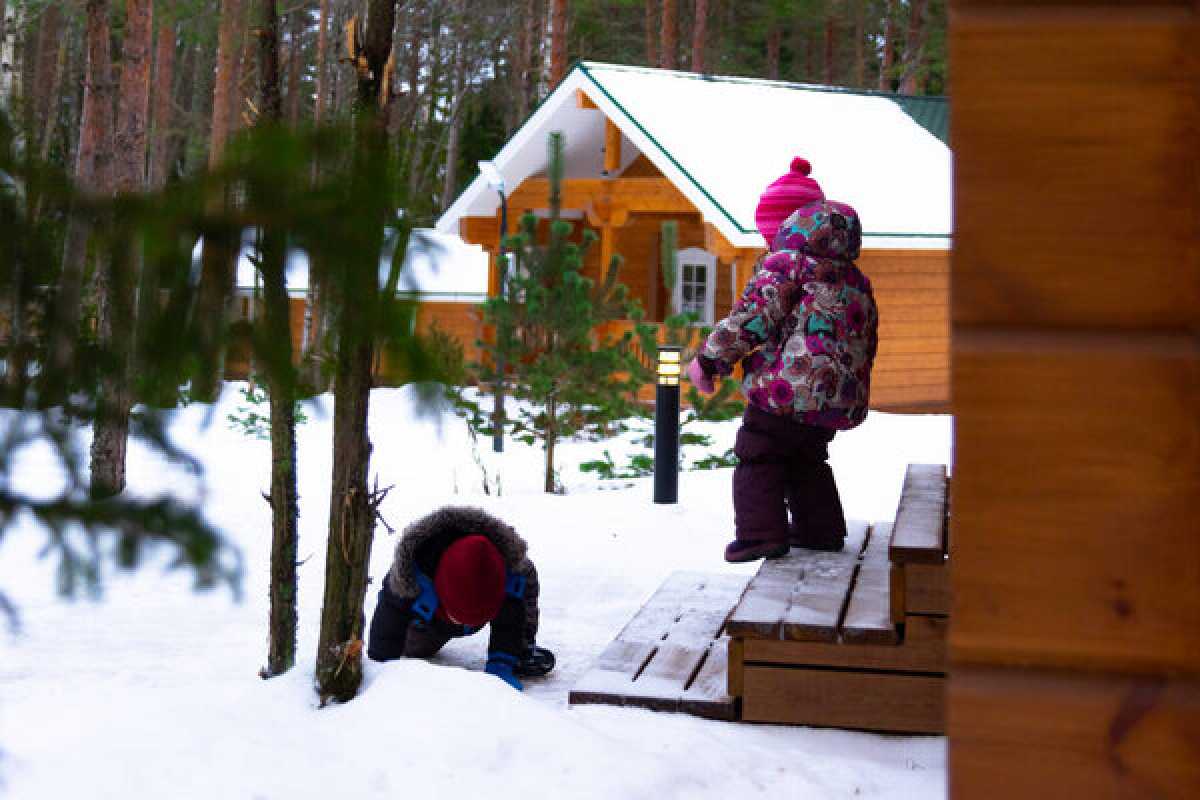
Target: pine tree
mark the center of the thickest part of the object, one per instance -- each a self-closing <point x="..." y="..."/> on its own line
<point x="569" y="379"/>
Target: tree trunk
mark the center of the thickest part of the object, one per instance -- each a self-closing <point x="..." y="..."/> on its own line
<point x="93" y="175"/>
<point x="860" y="59"/>
<point x="164" y="81"/>
<point x="551" y="440"/>
<point x="914" y="46"/>
<point x="295" y="64"/>
<point x="322" y="88"/>
<point x="670" y="35"/>
<point x="699" y="36"/>
<point x="116" y="296"/>
<point x="54" y="96"/>
<point x="281" y="647"/>
<point x="49" y="42"/>
<point x="458" y="86"/>
<point x="829" y="72"/>
<point x="558" y="43"/>
<point x="889" y="38"/>
<point x="774" y="39"/>
<point x="652" y="33"/>
<point x="228" y="44"/>
<point x="220" y="250"/>
<point x="352" y="509"/>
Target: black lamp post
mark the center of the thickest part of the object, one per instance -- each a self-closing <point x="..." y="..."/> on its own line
<point x="496" y="180"/>
<point x="666" y="425"/>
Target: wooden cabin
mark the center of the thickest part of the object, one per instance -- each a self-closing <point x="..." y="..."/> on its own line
<point x="643" y="146"/>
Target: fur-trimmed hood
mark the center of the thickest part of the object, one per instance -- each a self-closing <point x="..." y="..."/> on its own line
<point x="452" y="521"/>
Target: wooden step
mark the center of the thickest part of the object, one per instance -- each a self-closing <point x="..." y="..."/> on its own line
<point x="919" y="530"/>
<point x="671" y="656"/>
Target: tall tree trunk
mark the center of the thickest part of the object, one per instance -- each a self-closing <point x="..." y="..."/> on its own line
<point x="551" y="440"/>
<point x="458" y="87"/>
<point x="699" y="36"/>
<point x="352" y="508"/>
<point x="522" y="62"/>
<point x="224" y="93"/>
<point x="117" y="301"/>
<point x="860" y="59"/>
<point x="889" y="39"/>
<point x="164" y="82"/>
<point x="49" y="42"/>
<point x="295" y="64"/>
<point x="914" y="46"/>
<point x="558" y="43"/>
<point x="670" y="35"/>
<point x="652" y="33"/>
<point x="54" y="96"/>
<point x="322" y="88"/>
<point x="774" y="40"/>
<point x="93" y="175"/>
<point x="830" y="67"/>
<point x="281" y="647"/>
<point x="220" y="249"/>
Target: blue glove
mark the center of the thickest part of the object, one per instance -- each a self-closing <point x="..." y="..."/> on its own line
<point x="501" y="665"/>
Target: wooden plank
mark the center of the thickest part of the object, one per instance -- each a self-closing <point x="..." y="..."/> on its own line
<point x="1085" y="735"/>
<point x="896" y="592"/>
<point x="869" y="612"/>
<point x="737" y="660"/>
<point x="917" y="535"/>
<point x="923" y="649"/>
<point x="1142" y="126"/>
<point x="660" y="685"/>
<point x="927" y="588"/>
<point x="708" y="695"/>
<point x="1092" y="517"/>
<point x="873" y="701"/>
<point x="612" y="675"/>
<point x="760" y="611"/>
<point x="818" y="601"/>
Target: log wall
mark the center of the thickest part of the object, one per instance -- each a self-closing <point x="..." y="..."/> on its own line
<point x="1075" y="645"/>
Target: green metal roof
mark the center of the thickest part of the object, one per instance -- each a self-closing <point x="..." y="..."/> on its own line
<point x="930" y="112"/>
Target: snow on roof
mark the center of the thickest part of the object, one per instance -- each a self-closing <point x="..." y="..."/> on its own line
<point x="721" y="141"/>
<point x="436" y="267"/>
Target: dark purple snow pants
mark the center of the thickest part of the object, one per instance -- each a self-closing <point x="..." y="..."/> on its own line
<point x="783" y="461"/>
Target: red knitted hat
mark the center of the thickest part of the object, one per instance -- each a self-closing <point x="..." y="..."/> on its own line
<point x="784" y="196"/>
<point x="469" y="580"/>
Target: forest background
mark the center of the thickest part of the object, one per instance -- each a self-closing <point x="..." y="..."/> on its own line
<point x="462" y="75"/>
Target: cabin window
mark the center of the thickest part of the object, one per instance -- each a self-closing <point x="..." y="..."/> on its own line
<point x="695" y="284"/>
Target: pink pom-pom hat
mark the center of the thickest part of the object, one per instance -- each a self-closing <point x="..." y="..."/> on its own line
<point x="785" y="195"/>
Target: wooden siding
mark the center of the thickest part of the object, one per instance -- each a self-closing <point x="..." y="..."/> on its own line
<point x="912" y="290"/>
<point x="1075" y="648"/>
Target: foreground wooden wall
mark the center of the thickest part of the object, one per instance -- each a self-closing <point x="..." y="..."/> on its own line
<point x="1075" y="645"/>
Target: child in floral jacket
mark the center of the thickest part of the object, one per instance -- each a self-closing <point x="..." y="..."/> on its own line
<point x="805" y="332"/>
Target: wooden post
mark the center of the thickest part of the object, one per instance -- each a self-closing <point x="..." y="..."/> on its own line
<point x="612" y="148"/>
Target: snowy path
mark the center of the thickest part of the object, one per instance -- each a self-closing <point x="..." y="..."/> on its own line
<point x="152" y="693"/>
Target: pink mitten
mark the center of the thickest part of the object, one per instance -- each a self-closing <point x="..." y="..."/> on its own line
<point x="701" y="381"/>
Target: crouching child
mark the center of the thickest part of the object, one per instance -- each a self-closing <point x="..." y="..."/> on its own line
<point x="455" y="571"/>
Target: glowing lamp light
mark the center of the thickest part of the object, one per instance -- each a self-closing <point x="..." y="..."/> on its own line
<point x="669" y="367"/>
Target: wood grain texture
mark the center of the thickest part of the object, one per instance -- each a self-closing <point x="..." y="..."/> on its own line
<point x="1091" y="511"/>
<point x="923" y="649"/>
<point x="918" y="531"/>
<point x="708" y="695"/>
<point x="833" y="698"/>
<point x="869" y="611"/>
<point x="1074" y="143"/>
<point x="927" y="588"/>
<point x="1074" y="734"/>
<point x="818" y="601"/>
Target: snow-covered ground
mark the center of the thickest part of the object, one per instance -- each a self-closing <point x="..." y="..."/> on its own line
<point x="153" y="691"/>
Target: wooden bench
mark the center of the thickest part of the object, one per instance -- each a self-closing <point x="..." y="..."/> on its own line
<point x="855" y="639"/>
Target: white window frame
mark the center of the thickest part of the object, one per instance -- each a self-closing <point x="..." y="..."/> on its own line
<point x="698" y="257"/>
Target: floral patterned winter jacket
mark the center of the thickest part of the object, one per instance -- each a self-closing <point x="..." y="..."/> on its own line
<point x="805" y="328"/>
